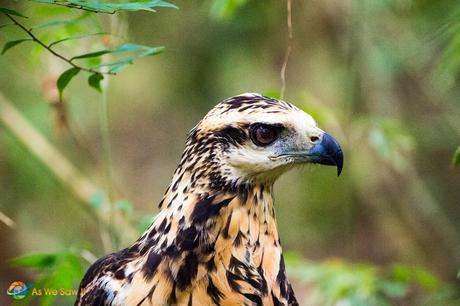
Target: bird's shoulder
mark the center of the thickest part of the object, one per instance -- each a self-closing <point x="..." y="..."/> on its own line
<point x="94" y="287"/>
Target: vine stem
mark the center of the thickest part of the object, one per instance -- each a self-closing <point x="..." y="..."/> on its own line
<point x="49" y="49"/>
<point x="288" y="49"/>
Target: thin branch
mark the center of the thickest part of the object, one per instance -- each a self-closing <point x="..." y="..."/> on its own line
<point x="81" y="7"/>
<point x="41" y="43"/>
<point x="288" y="49"/>
<point x="67" y="173"/>
<point x="7" y="220"/>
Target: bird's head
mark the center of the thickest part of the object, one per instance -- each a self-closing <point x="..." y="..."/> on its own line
<point x="250" y="138"/>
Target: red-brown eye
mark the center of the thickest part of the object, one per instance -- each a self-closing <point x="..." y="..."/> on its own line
<point x="263" y="134"/>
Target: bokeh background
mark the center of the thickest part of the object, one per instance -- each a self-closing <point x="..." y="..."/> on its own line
<point x="381" y="76"/>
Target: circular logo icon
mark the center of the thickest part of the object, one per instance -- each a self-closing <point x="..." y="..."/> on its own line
<point x="17" y="290"/>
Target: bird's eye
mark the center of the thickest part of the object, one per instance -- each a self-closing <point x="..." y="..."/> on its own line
<point x="263" y="134"/>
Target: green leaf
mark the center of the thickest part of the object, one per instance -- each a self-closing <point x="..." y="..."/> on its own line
<point x="123" y="48"/>
<point x="225" y="9"/>
<point x="65" y="78"/>
<point x="39" y="261"/>
<point x="91" y="54"/>
<point x="456" y="157"/>
<point x="118" y="65"/>
<point x="94" y="81"/>
<point x="55" y="270"/>
<point x="124" y="205"/>
<point x="54" y="24"/>
<point x="76" y="37"/>
<point x="97" y="199"/>
<point x="143" y="222"/>
<point x="13" y="43"/>
<point x="44" y="1"/>
<point x="11" y="12"/>
<point x="129" y="47"/>
<point x="6" y="25"/>
<point x="110" y="8"/>
<point x="275" y="94"/>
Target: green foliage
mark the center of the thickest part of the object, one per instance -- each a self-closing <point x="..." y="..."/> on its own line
<point x="338" y="282"/>
<point x="456" y="158"/>
<point x="225" y="9"/>
<point x="55" y="270"/>
<point x="64" y="79"/>
<point x="124" y="205"/>
<point x="391" y="141"/>
<point x="95" y="68"/>
<point x="76" y="38"/>
<point x="94" y="81"/>
<point x="55" y="24"/>
<point x="98" y="199"/>
<point x="118" y="65"/>
<point x="11" y="44"/>
<point x="109" y="8"/>
<point x="11" y="12"/>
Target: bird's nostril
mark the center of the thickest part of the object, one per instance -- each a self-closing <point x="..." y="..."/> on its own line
<point x="314" y="138"/>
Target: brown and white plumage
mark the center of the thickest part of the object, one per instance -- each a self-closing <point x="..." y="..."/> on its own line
<point x="215" y="239"/>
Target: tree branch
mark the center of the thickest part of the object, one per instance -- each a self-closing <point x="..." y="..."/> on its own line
<point x="62" y="57"/>
<point x="67" y="173"/>
<point x="81" y="7"/>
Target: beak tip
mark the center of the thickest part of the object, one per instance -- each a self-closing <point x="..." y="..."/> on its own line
<point x="335" y="152"/>
<point x="339" y="162"/>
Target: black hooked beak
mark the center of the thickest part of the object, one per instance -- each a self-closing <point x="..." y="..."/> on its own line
<point x="327" y="152"/>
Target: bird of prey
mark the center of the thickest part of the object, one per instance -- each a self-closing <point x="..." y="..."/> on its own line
<point x="215" y="240"/>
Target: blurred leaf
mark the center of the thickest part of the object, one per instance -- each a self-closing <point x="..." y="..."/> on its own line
<point x="76" y="37"/>
<point x="110" y="7"/>
<point x="97" y="199"/>
<point x="224" y="9"/>
<point x="13" y="43"/>
<point x="394" y="289"/>
<point x="38" y="261"/>
<point x="118" y="65"/>
<point x="11" y="12"/>
<point x="420" y="276"/>
<point x="65" y="78"/>
<point x="54" y="24"/>
<point x="91" y="54"/>
<point x="143" y="222"/>
<point x="124" y="205"/>
<point x="94" y="81"/>
<point x="60" y="270"/>
<point x="6" y="25"/>
<point x="130" y="47"/>
<point x="456" y="157"/>
<point x="336" y="281"/>
<point x="275" y="94"/>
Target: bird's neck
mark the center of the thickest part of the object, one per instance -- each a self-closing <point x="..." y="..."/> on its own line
<point x="234" y="222"/>
<point x="225" y="239"/>
<point x="241" y="210"/>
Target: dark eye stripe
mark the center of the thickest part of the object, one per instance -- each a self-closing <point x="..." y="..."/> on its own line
<point x="232" y="135"/>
